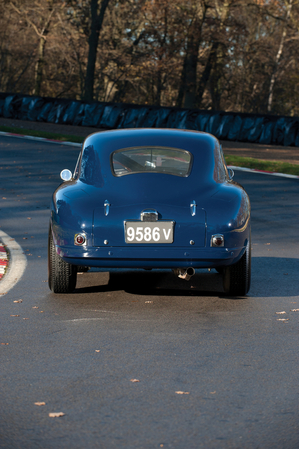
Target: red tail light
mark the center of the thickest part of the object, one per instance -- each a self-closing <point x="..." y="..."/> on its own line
<point x="217" y="240"/>
<point x="79" y="239"/>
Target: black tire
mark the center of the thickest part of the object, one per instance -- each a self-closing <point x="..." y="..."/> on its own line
<point x="236" y="278"/>
<point x="62" y="276"/>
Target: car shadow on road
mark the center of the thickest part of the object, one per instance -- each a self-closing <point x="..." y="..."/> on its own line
<point x="271" y="277"/>
<point x="157" y="283"/>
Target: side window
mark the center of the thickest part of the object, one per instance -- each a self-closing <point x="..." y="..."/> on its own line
<point x="224" y="163"/>
<point x="76" y="171"/>
<point x="90" y="168"/>
<point x="220" y="169"/>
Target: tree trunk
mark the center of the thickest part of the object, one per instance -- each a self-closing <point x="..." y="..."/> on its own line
<point x="215" y="77"/>
<point x="96" y="25"/>
<point x="215" y="62"/>
<point x="187" y="89"/>
<point x="206" y="73"/>
<point x="278" y="56"/>
<point x="39" y="66"/>
<point x="191" y="65"/>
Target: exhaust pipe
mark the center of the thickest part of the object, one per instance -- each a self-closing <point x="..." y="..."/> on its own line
<point x="184" y="273"/>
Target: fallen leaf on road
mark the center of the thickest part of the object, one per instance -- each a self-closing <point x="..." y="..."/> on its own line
<point x="267" y="243"/>
<point x="14" y="315"/>
<point x="39" y="403"/>
<point x="28" y="218"/>
<point x="4" y="343"/>
<point x="25" y="318"/>
<point x="282" y="319"/>
<point x="212" y="392"/>
<point x="182" y="392"/>
<point x="280" y="313"/>
<point x="148" y="302"/>
<point x="35" y="307"/>
<point x="56" y="415"/>
<point x="134" y="380"/>
<point x="19" y="300"/>
<point x="97" y="350"/>
<point x="294" y="310"/>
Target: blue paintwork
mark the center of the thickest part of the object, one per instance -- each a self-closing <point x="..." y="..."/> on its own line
<point x="222" y="206"/>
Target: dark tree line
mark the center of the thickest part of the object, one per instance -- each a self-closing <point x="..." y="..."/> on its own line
<point x="233" y="55"/>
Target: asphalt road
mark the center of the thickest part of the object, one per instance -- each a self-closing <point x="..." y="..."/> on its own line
<point x="235" y="362"/>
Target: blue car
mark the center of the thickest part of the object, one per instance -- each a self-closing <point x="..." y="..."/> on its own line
<point x="150" y="198"/>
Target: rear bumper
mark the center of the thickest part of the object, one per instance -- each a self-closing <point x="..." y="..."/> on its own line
<point x="146" y="257"/>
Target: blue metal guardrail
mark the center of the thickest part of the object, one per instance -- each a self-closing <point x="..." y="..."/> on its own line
<point x="263" y="129"/>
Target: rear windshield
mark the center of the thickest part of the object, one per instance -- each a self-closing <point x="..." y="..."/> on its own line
<point x="171" y="161"/>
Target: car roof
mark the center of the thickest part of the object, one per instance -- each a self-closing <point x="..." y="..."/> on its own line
<point x="177" y="138"/>
<point x="98" y="148"/>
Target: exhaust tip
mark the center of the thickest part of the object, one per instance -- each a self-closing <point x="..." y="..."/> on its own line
<point x="184" y="273"/>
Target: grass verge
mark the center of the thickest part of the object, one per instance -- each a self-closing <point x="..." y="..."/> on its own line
<point x="46" y="135"/>
<point x="248" y="162"/>
<point x="260" y="164"/>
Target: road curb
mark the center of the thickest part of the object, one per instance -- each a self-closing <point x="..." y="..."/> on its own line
<point x="43" y="139"/>
<point x="3" y="260"/>
<point x="16" y="262"/>
<point x="263" y="172"/>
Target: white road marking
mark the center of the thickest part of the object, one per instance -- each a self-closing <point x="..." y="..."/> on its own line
<point x="83" y="319"/>
<point x="40" y="139"/>
<point x="16" y="266"/>
<point x="76" y="320"/>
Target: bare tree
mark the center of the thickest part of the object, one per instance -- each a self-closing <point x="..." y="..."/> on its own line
<point x="213" y="70"/>
<point x="97" y="18"/>
<point x="43" y="12"/>
<point x="231" y="55"/>
<point x="187" y="89"/>
<point x="288" y="5"/>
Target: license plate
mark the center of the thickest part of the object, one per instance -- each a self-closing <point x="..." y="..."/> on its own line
<point x="149" y="232"/>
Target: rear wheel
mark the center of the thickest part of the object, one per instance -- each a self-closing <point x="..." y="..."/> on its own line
<point x="62" y="276"/>
<point x="236" y="278"/>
